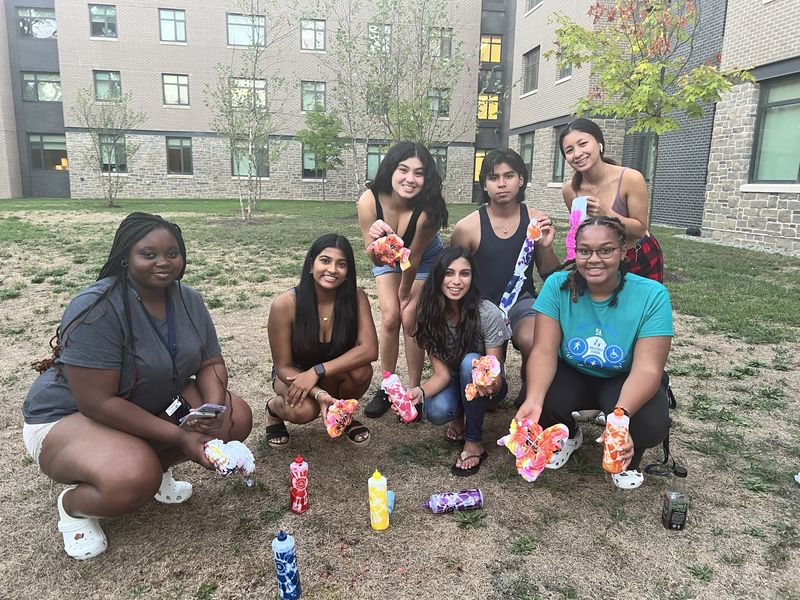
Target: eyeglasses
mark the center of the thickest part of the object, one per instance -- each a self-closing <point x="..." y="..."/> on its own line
<point x="604" y="252"/>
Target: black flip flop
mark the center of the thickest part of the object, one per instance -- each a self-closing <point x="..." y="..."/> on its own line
<point x="473" y="469"/>
<point x="275" y="433"/>
<point x="453" y="441"/>
<point x="355" y="429"/>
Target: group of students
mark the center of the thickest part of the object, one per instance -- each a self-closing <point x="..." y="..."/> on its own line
<point x="137" y="350"/>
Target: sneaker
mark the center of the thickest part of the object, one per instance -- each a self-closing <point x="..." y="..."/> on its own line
<point x="378" y="406"/>
<point x="628" y="480"/>
<point x="568" y="446"/>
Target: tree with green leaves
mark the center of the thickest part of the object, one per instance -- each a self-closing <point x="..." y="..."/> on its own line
<point x="108" y="122"/>
<point x="243" y="97"/>
<point x="321" y="137"/>
<point x="641" y="55"/>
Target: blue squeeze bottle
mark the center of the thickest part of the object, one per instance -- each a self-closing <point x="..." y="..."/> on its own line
<point x="283" y="549"/>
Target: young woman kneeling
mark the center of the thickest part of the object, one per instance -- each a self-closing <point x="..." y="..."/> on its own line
<point x="323" y="341"/>
<point x="602" y="340"/>
<point x="454" y="326"/>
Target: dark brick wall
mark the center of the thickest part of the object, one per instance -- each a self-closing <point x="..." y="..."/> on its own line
<point x="680" y="180"/>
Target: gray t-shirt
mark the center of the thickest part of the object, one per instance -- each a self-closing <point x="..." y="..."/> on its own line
<point x="493" y="330"/>
<point x="98" y="342"/>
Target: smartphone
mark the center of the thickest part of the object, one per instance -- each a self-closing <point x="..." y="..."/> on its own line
<point x="207" y="411"/>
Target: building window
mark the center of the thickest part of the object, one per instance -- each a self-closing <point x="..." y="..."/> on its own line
<point x="526" y="151"/>
<point x="312" y="94"/>
<point x="488" y="105"/>
<point x="103" y="20"/>
<point x="439" y="154"/>
<point x="531" y="4"/>
<point x="247" y="30"/>
<point x="112" y="154"/>
<point x="312" y="34"/>
<point x="247" y="93"/>
<point x="41" y="87"/>
<point x="176" y="89"/>
<point x="310" y="170"/>
<point x="479" y="156"/>
<point x="48" y="151"/>
<point x="558" y="158"/>
<point x="240" y="160"/>
<point x="379" y="36"/>
<point x="530" y="73"/>
<point x="776" y="158"/>
<point x="439" y="100"/>
<point x="375" y="154"/>
<point x="490" y="48"/>
<point x="179" y="156"/>
<point x="107" y="85"/>
<point x="173" y="25"/>
<point x="37" y="22"/>
<point x="644" y="154"/>
<point x="442" y="42"/>
<point x="565" y="71"/>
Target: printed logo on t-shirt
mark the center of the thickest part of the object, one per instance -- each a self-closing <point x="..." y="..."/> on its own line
<point x="595" y="352"/>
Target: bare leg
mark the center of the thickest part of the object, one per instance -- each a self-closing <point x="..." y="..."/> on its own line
<point x="389" y="339"/>
<point x="415" y="356"/>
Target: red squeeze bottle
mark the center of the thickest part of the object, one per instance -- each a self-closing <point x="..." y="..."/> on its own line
<point x="298" y="484"/>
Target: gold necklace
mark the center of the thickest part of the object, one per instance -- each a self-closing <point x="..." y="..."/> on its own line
<point x="504" y="226"/>
<point x="324" y="318"/>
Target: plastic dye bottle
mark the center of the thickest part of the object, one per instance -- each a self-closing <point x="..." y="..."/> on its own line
<point x="298" y="484"/>
<point x="676" y="501"/>
<point x="378" y="501"/>
<point x="283" y="549"/>
<point x="617" y="424"/>
<point x="452" y="501"/>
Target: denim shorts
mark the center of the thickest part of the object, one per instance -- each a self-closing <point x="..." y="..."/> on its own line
<point x="429" y="257"/>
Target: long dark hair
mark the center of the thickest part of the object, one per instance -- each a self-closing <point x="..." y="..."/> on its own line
<point x="575" y="282"/>
<point x="496" y="157"/>
<point x="593" y="129"/>
<point x="305" y="333"/>
<point x="431" y="330"/>
<point x="132" y="229"/>
<point x="430" y="198"/>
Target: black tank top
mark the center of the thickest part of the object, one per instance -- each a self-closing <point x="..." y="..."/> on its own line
<point x="408" y="235"/>
<point x="497" y="257"/>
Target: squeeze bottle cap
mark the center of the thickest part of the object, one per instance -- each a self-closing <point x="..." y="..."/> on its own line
<point x="281" y="535"/>
<point x="387" y="374"/>
<point x="376" y="474"/>
<point x="298" y="459"/>
<point x="680" y="471"/>
<point x="618" y="411"/>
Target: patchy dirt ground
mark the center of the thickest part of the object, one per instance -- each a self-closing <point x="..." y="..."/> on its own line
<point x="569" y="535"/>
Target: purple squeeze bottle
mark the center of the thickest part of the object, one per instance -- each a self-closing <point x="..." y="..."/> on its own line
<point x="452" y="501"/>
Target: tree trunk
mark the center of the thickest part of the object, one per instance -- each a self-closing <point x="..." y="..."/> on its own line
<point x="653" y="180"/>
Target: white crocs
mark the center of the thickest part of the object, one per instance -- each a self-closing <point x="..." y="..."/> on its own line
<point x="171" y="491"/>
<point x="83" y="537"/>
<point x="628" y="480"/>
<point x="568" y="446"/>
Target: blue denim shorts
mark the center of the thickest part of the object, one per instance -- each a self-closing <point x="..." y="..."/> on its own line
<point x="429" y="257"/>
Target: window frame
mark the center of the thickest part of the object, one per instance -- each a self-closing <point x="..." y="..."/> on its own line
<point x="763" y="107"/>
<point x="182" y="148"/>
<point x="36" y="75"/>
<point x="105" y="20"/>
<point x="314" y="31"/>
<point x="491" y="41"/>
<point x="115" y="147"/>
<point x="439" y="154"/>
<point x="179" y="87"/>
<point x="442" y="42"/>
<point x="306" y="173"/>
<point x="523" y="148"/>
<point x="559" y="162"/>
<point x="439" y="102"/>
<point x="564" y="72"/>
<point x="174" y="23"/>
<point x="532" y="4"/>
<point x="528" y="70"/>
<point x="257" y="88"/>
<point x="316" y="93"/>
<point x="380" y="42"/>
<point x="41" y="152"/>
<point x="32" y="20"/>
<point x="489" y="99"/>
<point x="254" y="29"/>
<point x="476" y="165"/>
<point x="263" y="152"/>
<point x="644" y="154"/>
<point x="116" y="98"/>
<point x="372" y="150"/>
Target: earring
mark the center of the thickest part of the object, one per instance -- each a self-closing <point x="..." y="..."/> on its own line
<point x="124" y="263"/>
<point x="601" y="148"/>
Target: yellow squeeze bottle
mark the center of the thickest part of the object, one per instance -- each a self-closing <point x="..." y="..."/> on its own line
<point x="378" y="502"/>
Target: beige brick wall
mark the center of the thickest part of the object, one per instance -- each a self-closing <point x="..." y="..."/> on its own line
<point x="758" y="33"/>
<point x="10" y="183"/>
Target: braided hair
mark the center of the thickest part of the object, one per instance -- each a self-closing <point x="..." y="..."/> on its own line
<point x="132" y="229"/>
<point x="575" y="282"/>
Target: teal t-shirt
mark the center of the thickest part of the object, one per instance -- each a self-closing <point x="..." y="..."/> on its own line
<point x="599" y="339"/>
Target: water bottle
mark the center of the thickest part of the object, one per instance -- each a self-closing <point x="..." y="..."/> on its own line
<point x="298" y="484"/>
<point x="283" y="549"/>
<point x="378" y="502"/>
<point x="452" y="501"/>
<point x="617" y="424"/>
<point x="676" y="501"/>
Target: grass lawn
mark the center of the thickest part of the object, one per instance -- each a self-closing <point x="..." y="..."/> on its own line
<point x="571" y="534"/>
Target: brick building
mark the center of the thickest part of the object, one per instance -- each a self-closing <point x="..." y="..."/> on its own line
<point x="753" y="191"/>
